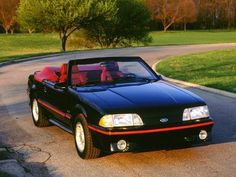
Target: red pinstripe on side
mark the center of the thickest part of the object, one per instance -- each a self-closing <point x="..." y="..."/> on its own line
<point x="135" y="132"/>
<point x="54" y="109"/>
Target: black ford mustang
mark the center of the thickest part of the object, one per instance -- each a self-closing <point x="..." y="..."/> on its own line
<point x="109" y="104"/>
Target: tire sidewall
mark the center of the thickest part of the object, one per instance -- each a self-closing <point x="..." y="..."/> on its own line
<point x="42" y="118"/>
<point x="39" y="112"/>
<point x="84" y="124"/>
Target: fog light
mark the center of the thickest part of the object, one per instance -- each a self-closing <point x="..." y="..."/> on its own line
<point x="203" y="134"/>
<point x="122" y="145"/>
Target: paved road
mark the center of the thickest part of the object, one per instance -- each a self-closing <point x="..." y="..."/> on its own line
<point x="51" y="151"/>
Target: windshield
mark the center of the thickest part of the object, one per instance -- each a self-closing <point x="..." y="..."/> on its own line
<point x="110" y="72"/>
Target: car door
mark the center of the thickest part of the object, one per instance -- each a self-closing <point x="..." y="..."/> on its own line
<point x="57" y="100"/>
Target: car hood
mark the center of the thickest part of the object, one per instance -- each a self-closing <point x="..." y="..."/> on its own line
<point x="150" y="95"/>
<point x="151" y="100"/>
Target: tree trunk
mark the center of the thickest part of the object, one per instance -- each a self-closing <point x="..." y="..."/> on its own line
<point x="64" y="34"/>
<point x="229" y="14"/>
<point x="30" y="31"/>
<point x="185" y="26"/>
<point x="6" y="30"/>
<point x="63" y="43"/>
<point x="166" y="28"/>
<point x="229" y="24"/>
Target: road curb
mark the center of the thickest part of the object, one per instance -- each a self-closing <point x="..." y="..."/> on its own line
<point x="188" y="84"/>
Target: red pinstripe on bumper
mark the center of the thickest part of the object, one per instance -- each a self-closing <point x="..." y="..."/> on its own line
<point x="135" y="132"/>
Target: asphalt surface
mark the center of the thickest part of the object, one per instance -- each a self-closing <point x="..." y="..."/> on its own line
<point x="50" y="151"/>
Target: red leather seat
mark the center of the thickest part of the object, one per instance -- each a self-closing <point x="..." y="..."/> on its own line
<point x="63" y="72"/>
<point x="47" y="73"/>
<point x="110" y="71"/>
<point x="78" y="77"/>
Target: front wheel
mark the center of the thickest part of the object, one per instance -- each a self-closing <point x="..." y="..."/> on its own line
<point x="38" y="115"/>
<point x="83" y="140"/>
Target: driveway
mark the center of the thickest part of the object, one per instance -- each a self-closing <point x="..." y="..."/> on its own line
<point x="51" y="151"/>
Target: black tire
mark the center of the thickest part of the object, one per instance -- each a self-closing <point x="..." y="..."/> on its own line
<point x="90" y="151"/>
<point x="42" y="120"/>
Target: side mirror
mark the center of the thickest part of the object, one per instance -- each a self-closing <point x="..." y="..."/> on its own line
<point x="160" y="76"/>
<point x="61" y="86"/>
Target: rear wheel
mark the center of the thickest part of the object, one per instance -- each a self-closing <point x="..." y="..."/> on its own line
<point x="38" y="115"/>
<point x="83" y="140"/>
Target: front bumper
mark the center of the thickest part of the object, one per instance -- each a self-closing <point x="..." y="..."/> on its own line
<point x="107" y="139"/>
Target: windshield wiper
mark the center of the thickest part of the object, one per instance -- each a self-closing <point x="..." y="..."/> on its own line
<point x="146" y="79"/>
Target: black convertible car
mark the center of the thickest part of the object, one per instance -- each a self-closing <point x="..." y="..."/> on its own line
<point x="113" y="104"/>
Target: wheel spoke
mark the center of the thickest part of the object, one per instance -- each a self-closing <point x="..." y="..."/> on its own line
<point x="79" y="137"/>
<point x="35" y="110"/>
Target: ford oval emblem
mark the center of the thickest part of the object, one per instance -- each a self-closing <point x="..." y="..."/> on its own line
<point x="164" y="120"/>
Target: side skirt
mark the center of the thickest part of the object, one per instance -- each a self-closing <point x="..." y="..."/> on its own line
<point x="60" y="126"/>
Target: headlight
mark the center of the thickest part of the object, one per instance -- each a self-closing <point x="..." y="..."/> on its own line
<point x="195" y="113"/>
<point x="120" y="120"/>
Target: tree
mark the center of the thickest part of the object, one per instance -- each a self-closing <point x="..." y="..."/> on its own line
<point x="216" y="14"/>
<point x="62" y="16"/>
<point x="188" y="12"/>
<point x="125" y="23"/>
<point x="8" y="13"/>
<point x="229" y="7"/>
<point x="166" y="11"/>
<point x="66" y="16"/>
<point x="171" y="11"/>
<point x="30" y="15"/>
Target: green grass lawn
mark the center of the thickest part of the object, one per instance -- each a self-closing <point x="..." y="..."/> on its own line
<point x="24" y="45"/>
<point x="192" y="37"/>
<point x="14" y="46"/>
<point x="215" y="69"/>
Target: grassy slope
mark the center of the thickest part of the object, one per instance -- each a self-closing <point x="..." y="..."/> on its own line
<point x="215" y="69"/>
<point x="24" y="45"/>
<point x="192" y="37"/>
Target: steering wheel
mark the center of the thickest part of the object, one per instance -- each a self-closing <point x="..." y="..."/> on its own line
<point x="130" y="75"/>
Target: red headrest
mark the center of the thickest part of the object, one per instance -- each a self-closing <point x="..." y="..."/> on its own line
<point x="63" y="69"/>
<point x="110" y="66"/>
<point x="75" y="69"/>
<point x="63" y="72"/>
